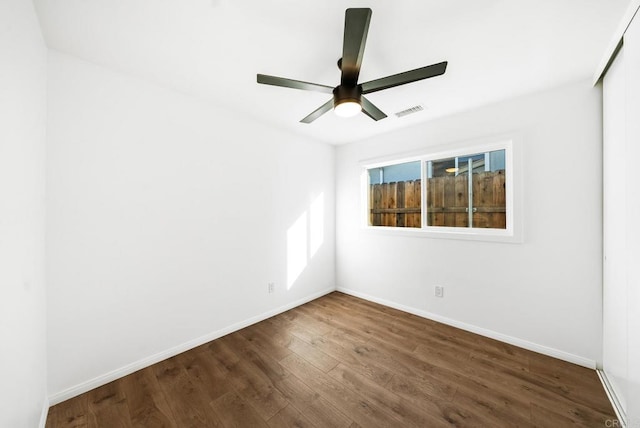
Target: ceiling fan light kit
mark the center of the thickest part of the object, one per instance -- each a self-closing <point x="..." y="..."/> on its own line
<point x="347" y="108"/>
<point x="348" y="99"/>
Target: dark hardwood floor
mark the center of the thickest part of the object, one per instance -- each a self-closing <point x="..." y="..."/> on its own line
<point x="340" y="361"/>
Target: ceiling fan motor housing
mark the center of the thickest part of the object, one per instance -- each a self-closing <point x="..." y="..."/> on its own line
<point x="345" y="94"/>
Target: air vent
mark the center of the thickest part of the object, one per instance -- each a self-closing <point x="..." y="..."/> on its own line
<point x="411" y="110"/>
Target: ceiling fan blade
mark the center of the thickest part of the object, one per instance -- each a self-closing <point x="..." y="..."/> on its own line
<point x="371" y="110"/>
<point x="403" y="78"/>
<point x="356" y="27"/>
<point x="318" y="112"/>
<point x="295" y="84"/>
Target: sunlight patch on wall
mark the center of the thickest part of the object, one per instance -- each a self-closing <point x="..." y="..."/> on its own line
<point x="304" y="239"/>
<point x="316" y="225"/>
<point x="296" y="249"/>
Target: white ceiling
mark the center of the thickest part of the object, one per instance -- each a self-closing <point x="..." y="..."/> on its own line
<point x="496" y="49"/>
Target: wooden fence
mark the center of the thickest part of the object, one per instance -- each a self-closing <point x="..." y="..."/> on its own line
<point x="398" y="204"/>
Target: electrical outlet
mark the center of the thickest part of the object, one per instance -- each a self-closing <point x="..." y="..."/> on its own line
<point x="439" y="291"/>
<point x="271" y="287"/>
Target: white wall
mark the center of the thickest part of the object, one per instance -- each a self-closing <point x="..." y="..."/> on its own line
<point x="167" y="218"/>
<point x="22" y="151"/>
<point x="544" y="293"/>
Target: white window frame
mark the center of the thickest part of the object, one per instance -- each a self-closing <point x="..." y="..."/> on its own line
<point x="513" y="193"/>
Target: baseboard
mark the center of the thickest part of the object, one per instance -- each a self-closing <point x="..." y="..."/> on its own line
<point x="556" y="353"/>
<point x="613" y="398"/>
<point x="44" y="413"/>
<point x="146" y="362"/>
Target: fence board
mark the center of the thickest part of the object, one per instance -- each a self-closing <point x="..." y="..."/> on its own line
<point x="400" y="217"/>
<point x="376" y="219"/>
<point x="390" y="202"/>
<point x="412" y="200"/>
<point x="449" y="198"/>
<point x="461" y="190"/>
<point x="499" y="199"/>
<point x="435" y="198"/>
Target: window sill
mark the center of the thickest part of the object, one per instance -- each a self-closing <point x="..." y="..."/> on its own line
<point x="482" y="235"/>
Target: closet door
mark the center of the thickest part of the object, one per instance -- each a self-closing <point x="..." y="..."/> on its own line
<point x="614" y="356"/>
<point x="632" y="66"/>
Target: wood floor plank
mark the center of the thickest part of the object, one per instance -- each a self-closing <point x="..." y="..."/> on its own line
<point x="442" y="353"/>
<point x="203" y="372"/>
<point x="346" y="400"/>
<point x="147" y="404"/>
<point x="70" y="413"/>
<point x="236" y="412"/>
<point x="382" y="314"/>
<point x="189" y="405"/>
<point x="405" y="412"/>
<point x="323" y="414"/>
<point x="286" y="329"/>
<point x="421" y="389"/>
<point x="108" y="402"/>
<point x="317" y="410"/>
<point x="310" y="320"/>
<point x="52" y="417"/>
<point x="422" y="394"/>
<point x="268" y="340"/>
<point x="347" y="352"/>
<point x="406" y="364"/>
<point x="314" y="356"/>
<point x="544" y="416"/>
<point x="312" y="324"/>
<point x="493" y="409"/>
<point x="579" y="382"/>
<point x="369" y="326"/>
<point x="340" y="361"/>
<point x="290" y="417"/>
<point x="541" y="417"/>
<point x="292" y="389"/>
<point x="249" y="381"/>
<point x="529" y="388"/>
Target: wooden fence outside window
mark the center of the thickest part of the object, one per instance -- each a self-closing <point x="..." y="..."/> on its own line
<point x="399" y="204"/>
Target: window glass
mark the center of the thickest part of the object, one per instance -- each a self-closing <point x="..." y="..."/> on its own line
<point x="467" y="191"/>
<point x="395" y="195"/>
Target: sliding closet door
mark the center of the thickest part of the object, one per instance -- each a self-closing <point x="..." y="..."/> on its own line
<point x="614" y="356"/>
<point x="632" y="65"/>
<point x="621" y="288"/>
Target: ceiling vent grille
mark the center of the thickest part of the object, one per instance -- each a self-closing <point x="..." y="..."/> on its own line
<point x="411" y="110"/>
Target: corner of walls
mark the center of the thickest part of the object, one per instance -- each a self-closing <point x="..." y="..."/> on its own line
<point x="44" y="413"/>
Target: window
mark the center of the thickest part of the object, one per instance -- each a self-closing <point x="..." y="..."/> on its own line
<point x="395" y="195"/>
<point x="466" y="191"/>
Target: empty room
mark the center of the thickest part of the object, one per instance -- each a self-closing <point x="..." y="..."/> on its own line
<point x="219" y="213"/>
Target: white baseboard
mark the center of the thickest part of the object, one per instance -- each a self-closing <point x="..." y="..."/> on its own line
<point x="613" y="398"/>
<point x="44" y="413"/>
<point x="83" y="387"/>
<point x="556" y="353"/>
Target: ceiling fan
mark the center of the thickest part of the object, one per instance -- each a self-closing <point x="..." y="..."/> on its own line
<point x="348" y="99"/>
